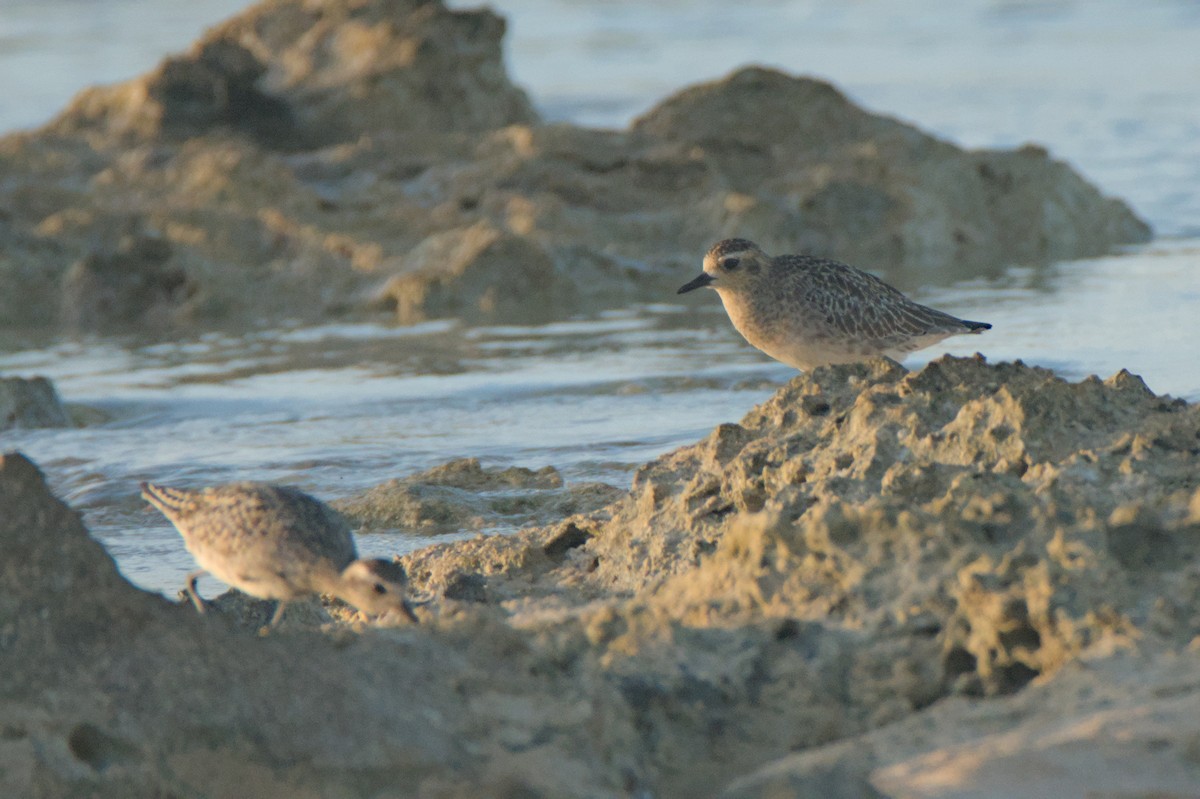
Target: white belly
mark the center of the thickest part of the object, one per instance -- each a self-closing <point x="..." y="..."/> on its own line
<point x="249" y="575"/>
<point x="807" y="346"/>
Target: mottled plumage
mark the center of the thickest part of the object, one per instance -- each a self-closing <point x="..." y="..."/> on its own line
<point x="808" y="312"/>
<point x="275" y="542"/>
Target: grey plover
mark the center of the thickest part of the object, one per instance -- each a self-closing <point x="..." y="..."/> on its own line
<point x="809" y="312"/>
<point x="275" y="542"/>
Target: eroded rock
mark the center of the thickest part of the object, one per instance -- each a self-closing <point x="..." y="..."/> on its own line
<point x="30" y="402"/>
<point x="968" y="503"/>
<point x="1125" y="725"/>
<point x="866" y="543"/>
<point x="110" y="691"/>
<point x="314" y="158"/>
<point x="874" y="574"/>
<point x="873" y="191"/>
<point x="479" y="272"/>
<point x="301" y="74"/>
<point x="134" y="284"/>
<point x="462" y="495"/>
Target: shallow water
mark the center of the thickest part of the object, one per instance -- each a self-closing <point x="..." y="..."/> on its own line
<point x="341" y="408"/>
<point x="1109" y="86"/>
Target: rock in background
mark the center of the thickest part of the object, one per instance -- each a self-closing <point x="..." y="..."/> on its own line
<point x="334" y="157"/>
<point x="462" y="495"/>
<point x="30" y="402"/>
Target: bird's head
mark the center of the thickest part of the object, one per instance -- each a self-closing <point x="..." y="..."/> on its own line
<point x="730" y="265"/>
<point x="376" y="586"/>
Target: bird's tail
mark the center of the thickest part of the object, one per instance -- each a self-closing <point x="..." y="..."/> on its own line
<point x="170" y="501"/>
<point x="976" y="327"/>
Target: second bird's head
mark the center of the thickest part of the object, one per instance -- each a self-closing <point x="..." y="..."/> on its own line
<point x="376" y="586"/>
<point x="730" y="264"/>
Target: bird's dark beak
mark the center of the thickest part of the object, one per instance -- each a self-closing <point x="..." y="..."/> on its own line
<point x="408" y="611"/>
<point x="700" y="282"/>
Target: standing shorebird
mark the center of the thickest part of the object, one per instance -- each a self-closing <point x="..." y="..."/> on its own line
<point x="274" y="542"/>
<point x="809" y="312"/>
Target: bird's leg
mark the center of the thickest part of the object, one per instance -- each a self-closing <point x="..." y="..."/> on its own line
<point x="189" y="588"/>
<point x="278" y="617"/>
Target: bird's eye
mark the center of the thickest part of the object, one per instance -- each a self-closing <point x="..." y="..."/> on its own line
<point x="379" y="588"/>
<point x="729" y="264"/>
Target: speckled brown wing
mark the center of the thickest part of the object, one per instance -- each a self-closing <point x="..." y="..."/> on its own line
<point x="311" y="523"/>
<point x="257" y="523"/>
<point x="859" y="306"/>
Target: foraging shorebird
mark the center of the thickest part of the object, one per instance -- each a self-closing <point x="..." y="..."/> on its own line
<point x="274" y="542"/>
<point x="809" y="312"/>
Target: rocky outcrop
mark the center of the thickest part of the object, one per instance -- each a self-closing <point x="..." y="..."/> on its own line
<point x="474" y="271"/>
<point x="333" y="157"/>
<point x="997" y="519"/>
<point x="298" y="75"/>
<point x="30" y="402"/>
<point x="135" y="284"/>
<point x="803" y="167"/>
<point x="879" y="583"/>
<point x="1126" y="726"/>
<point x="462" y="495"/>
<point x="109" y="691"/>
<point x="865" y="548"/>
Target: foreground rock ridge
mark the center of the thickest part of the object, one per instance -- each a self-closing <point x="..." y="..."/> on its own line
<point x="968" y="580"/>
<point x="317" y="157"/>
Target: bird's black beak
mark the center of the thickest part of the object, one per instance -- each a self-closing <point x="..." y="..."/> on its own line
<point x="409" y="613"/>
<point x="700" y="282"/>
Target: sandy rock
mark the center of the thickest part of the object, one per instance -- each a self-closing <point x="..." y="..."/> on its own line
<point x="962" y="500"/>
<point x="475" y="273"/>
<point x="468" y="474"/>
<point x="865" y="544"/>
<point x="135" y="284"/>
<point x="461" y="494"/>
<point x="1123" y="727"/>
<point x="875" y="192"/>
<point x="295" y="74"/>
<point x="110" y="691"/>
<point x="878" y="583"/>
<point x="308" y="159"/>
<point x="215" y="85"/>
<point x="30" y="402"/>
<point x="837" y="771"/>
<point x="625" y="213"/>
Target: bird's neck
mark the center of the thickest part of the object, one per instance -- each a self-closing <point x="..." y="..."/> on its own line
<point x="743" y="314"/>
